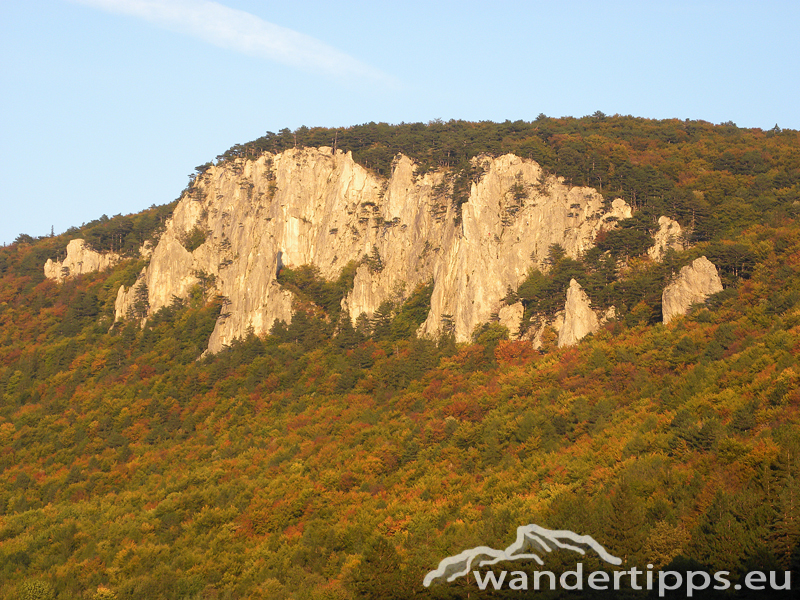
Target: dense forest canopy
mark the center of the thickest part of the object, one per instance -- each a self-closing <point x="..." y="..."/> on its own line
<point x="339" y="460"/>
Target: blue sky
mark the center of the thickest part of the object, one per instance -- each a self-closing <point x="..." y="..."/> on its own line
<point x="108" y="105"/>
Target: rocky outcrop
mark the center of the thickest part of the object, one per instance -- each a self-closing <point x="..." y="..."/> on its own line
<point x="537" y="329"/>
<point x="570" y="325"/>
<point x="510" y="317"/>
<point x="80" y="259"/>
<point x="579" y="318"/>
<point x="540" y="325"/>
<point x="317" y="206"/>
<point x="669" y="235"/>
<point x="694" y="283"/>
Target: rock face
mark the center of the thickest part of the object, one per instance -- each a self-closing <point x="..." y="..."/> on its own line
<point x="669" y="235"/>
<point x="579" y="318"/>
<point x="694" y="283"/>
<point x="80" y="259"/>
<point x="317" y="206"/>
<point x="511" y="318"/>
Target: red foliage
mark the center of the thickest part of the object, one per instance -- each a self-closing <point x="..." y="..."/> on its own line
<point x="515" y="353"/>
<point x="464" y="409"/>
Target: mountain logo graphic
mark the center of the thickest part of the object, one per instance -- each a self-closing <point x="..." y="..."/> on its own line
<point x="530" y="539"/>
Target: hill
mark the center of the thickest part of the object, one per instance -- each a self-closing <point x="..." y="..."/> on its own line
<point x="340" y="458"/>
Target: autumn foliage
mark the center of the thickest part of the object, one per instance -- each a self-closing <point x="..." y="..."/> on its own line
<point x="339" y="460"/>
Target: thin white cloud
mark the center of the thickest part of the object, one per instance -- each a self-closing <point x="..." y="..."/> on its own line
<point x="243" y="32"/>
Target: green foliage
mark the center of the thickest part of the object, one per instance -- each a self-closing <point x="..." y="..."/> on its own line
<point x="103" y="593"/>
<point x="629" y="239"/>
<point x="487" y="336"/>
<point x="378" y="575"/>
<point x="308" y="285"/>
<point x="36" y="590"/>
<point x="412" y="313"/>
<point x="23" y="238"/>
<point x="545" y="294"/>
<point x="373" y="260"/>
<point x="124" y="234"/>
<point x="195" y="238"/>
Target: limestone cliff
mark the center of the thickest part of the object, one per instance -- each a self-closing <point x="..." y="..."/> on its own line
<point x="80" y="259"/>
<point x="579" y="318"/>
<point x="694" y="283"/>
<point x="510" y="317"/>
<point x="669" y="235"/>
<point x="241" y="221"/>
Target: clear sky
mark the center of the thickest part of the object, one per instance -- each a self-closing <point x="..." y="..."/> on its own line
<point x="108" y="105"/>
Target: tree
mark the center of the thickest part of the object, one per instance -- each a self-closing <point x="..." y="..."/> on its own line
<point x="23" y="238"/>
<point x="380" y="573"/>
<point x="36" y="590"/>
<point x="140" y="307"/>
<point x="554" y="254"/>
<point x="664" y="543"/>
<point x="626" y="531"/>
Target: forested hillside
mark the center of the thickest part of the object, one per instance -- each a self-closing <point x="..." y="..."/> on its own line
<point x="344" y="460"/>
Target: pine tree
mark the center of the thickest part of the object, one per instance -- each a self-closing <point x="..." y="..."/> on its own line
<point x="627" y="527"/>
<point x="141" y="302"/>
<point x="785" y="530"/>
